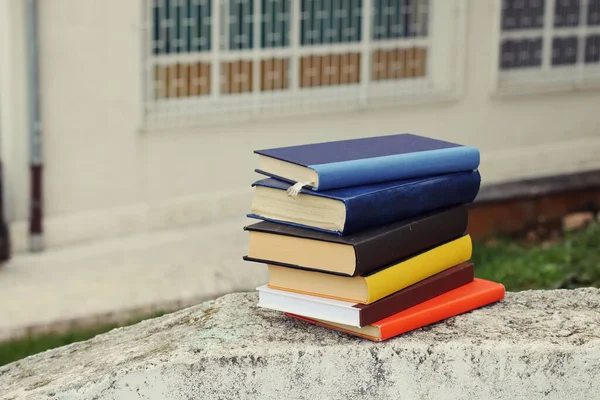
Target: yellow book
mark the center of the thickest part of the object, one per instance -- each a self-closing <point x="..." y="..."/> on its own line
<point x="376" y="285"/>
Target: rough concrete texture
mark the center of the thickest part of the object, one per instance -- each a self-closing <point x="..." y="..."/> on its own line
<point x="535" y="344"/>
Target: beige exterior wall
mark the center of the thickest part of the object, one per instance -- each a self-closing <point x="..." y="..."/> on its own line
<point x="106" y="175"/>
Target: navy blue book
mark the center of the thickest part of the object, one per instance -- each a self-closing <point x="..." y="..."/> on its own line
<point x="357" y="208"/>
<point x="354" y="162"/>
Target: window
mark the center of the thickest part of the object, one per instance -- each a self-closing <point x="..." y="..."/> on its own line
<point x="223" y="56"/>
<point x="545" y="41"/>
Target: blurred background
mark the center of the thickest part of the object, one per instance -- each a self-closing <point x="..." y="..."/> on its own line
<point x="127" y="131"/>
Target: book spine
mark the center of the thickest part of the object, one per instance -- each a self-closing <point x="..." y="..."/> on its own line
<point x="437" y="228"/>
<point x="413" y="198"/>
<point x="392" y="279"/>
<point x="278" y="177"/>
<point x="295" y="266"/>
<point x="400" y="166"/>
<point x="417" y="293"/>
<point x="278" y="221"/>
<point x="443" y="311"/>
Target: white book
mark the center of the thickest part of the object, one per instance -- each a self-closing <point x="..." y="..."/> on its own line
<point x="342" y="312"/>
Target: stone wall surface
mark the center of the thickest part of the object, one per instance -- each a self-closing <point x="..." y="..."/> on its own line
<point x="533" y="344"/>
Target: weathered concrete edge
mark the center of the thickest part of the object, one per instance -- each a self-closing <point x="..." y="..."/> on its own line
<point x="116" y="316"/>
<point x="552" y="351"/>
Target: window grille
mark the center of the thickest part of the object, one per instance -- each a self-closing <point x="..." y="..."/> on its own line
<point x="549" y="41"/>
<point x="210" y="57"/>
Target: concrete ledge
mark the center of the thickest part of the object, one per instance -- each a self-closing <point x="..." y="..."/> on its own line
<point x="535" y="344"/>
<point x="537" y="187"/>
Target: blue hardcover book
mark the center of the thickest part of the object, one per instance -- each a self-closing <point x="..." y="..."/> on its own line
<point x="354" y="162"/>
<point x="353" y="209"/>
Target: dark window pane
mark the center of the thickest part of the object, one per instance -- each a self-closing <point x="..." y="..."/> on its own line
<point x="168" y="23"/>
<point x="522" y="53"/>
<point x="158" y="44"/>
<point x="241" y="23"/>
<point x="566" y="13"/>
<point x="592" y="49"/>
<point x="507" y="54"/>
<point x="593" y="12"/>
<point x="201" y="20"/>
<point x="181" y="26"/>
<point x="522" y="14"/>
<point x="393" y="19"/>
<point x="564" y="50"/>
<point x="388" y="19"/>
<point x="275" y="23"/>
<point x="327" y="21"/>
<point x="416" y="17"/>
<point x="178" y="16"/>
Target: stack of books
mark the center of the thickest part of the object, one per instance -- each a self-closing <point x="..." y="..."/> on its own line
<point x="368" y="236"/>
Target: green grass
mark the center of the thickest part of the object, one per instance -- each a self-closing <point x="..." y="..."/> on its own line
<point x="573" y="261"/>
<point x="20" y="348"/>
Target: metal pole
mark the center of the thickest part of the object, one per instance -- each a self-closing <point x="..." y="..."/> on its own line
<point x="36" y="242"/>
<point x="5" y="244"/>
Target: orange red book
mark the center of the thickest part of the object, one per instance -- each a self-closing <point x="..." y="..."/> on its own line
<point x="473" y="295"/>
<point x="372" y="280"/>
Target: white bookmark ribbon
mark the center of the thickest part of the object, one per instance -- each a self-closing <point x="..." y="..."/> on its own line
<point x="295" y="189"/>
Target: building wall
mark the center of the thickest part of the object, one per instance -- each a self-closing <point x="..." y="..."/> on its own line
<point x="106" y="174"/>
<point x="13" y="109"/>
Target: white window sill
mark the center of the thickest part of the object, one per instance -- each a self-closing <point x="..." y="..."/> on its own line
<point x="158" y="121"/>
<point x="536" y="88"/>
<point x="560" y="80"/>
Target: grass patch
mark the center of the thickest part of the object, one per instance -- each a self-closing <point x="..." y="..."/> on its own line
<point x="571" y="261"/>
<point x="17" y="349"/>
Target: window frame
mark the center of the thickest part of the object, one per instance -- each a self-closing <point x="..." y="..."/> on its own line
<point x="443" y="78"/>
<point x="546" y="78"/>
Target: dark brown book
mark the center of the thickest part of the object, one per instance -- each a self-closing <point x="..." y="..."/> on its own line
<point x="359" y="315"/>
<point x="356" y="254"/>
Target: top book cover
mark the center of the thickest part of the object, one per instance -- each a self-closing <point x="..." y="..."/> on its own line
<point x="354" y="162"/>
